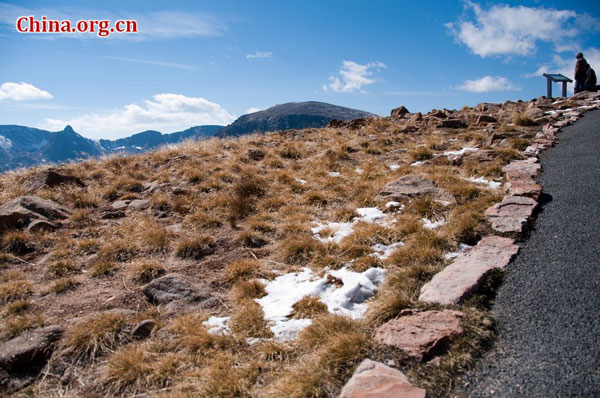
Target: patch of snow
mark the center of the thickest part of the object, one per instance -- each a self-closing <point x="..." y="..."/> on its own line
<point x="461" y="248"/>
<point x="5" y="143"/>
<point x="139" y="148"/>
<point x="300" y="181"/>
<point x="218" y="325"/>
<point x="392" y="204"/>
<point x="384" y="251"/>
<point x="359" y="171"/>
<point x="444" y="203"/>
<point x="460" y="152"/>
<point x="286" y="290"/>
<point x="481" y="180"/>
<point x="427" y="223"/>
<point x="416" y="164"/>
<point x="334" y="174"/>
<point x="394" y="167"/>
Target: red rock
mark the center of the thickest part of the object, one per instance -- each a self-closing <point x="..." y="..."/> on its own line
<point x="524" y="188"/>
<point x="412" y="185"/>
<point x="375" y="380"/>
<point x="484" y="119"/>
<point x="455" y="282"/>
<point x="399" y="112"/>
<point x="512" y="214"/>
<point x="422" y="334"/>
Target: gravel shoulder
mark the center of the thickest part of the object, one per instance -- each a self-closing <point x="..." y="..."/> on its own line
<point x="548" y="307"/>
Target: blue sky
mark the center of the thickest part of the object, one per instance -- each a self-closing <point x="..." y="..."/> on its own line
<point x="208" y="62"/>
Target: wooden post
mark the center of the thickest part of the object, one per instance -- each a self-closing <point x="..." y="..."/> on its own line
<point x="549" y="87"/>
<point x="564" y="91"/>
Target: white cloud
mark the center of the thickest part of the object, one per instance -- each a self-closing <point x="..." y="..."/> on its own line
<point x="259" y="54"/>
<point x="506" y="30"/>
<point x="152" y="62"/>
<point x="488" y="83"/>
<point x="253" y="109"/>
<point x="22" y="91"/>
<point x="353" y="76"/>
<point x="165" y="112"/>
<point x="151" y="25"/>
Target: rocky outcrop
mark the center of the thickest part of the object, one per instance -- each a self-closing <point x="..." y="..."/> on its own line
<point x="421" y="335"/>
<point x="455" y="282"/>
<point x="50" y="178"/>
<point x="453" y="124"/>
<point x="512" y="214"/>
<point x="29" y="350"/>
<point x="412" y="185"/>
<point x="375" y="380"/>
<point x="21" y="211"/>
<point x="399" y="113"/>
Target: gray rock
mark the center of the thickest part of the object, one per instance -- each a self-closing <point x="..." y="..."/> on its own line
<point x="534" y="113"/>
<point x="455" y="282"/>
<point x="139" y="204"/>
<point x="41" y="225"/>
<point x="453" y="124"/>
<point x="50" y="178"/>
<point x="375" y="380"/>
<point x="29" y="349"/>
<point x="172" y="287"/>
<point x="399" y="113"/>
<point x="118" y="205"/>
<point x="484" y="119"/>
<point x="19" y="212"/>
<point x="422" y="334"/>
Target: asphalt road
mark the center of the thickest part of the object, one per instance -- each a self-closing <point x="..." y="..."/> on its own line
<point x="548" y="307"/>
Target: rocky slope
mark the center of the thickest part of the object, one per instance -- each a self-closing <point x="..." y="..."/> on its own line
<point x="272" y="264"/>
<point x="293" y="115"/>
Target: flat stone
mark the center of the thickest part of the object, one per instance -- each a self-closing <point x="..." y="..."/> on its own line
<point x="524" y="188"/>
<point x="139" y="204"/>
<point x="30" y="349"/>
<point x="119" y="205"/>
<point x="484" y="119"/>
<point x="423" y="334"/>
<point x="412" y="185"/>
<point x="512" y="214"/>
<point x="438" y="114"/>
<point x="453" y="124"/>
<point x="375" y="380"/>
<point x="534" y="112"/>
<point x="417" y="117"/>
<point x="172" y="287"/>
<point x="19" y="212"/>
<point x="481" y="155"/>
<point x="522" y="168"/>
<point x="459" y="279"/>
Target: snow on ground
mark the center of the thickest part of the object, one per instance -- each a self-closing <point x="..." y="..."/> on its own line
<point x="340" y="230"/>
<point x="417" y="163"/>
<point x="427" y="223"/>
<point x="460" y="152"/>
<point x="334" y="174"/>
<point x="359" y="171"/>
<point x="300" y="181"/>
<point x="481" y="180"/>
<point x="393" y="204"/>
<point x="286" y="290"/>
<point x="461" y="248"/>
<point x="5" y="143"/>
<point x="384" y="251"/>
<point x="217" y="325"/>
<point x="394" y="167"/>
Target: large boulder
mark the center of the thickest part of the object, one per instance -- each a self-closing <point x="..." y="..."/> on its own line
<point x="455" y="282"/>
<point x="399" y="113"/>
<point x="19" y="212"/>
<point x="50" y="178"/>
<point x="422" y="334"/>
<point x="412" y="185"/>
<point x="173" y="287"/>
<point x="29" y="350"/>
<point x="375" y="380"/>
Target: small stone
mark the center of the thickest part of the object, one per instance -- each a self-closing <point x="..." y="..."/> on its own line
<point x="375" y="380"/>
<point x="119" y="205"/>
<point x="512" y="214"/>
<point x="421" y="335"/>
<point x="31" y="349"/>
<point x="143" y="329"/>
<point x="173" y="287"/>
<point x="111" y="215"/>
<point x="484" y="119"/>
<point x="455" y="282"/>
<point x="438" y="114"/>
<point x="534" y="113"/>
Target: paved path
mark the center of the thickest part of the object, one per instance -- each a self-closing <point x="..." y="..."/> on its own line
<point x="548" y="308"/>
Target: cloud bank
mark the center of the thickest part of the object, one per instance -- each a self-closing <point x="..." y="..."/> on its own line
<point x="164" y="112"/>
<point x="488" y="83"/>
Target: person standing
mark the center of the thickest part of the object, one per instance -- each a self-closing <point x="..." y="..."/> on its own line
<point x="581" y="69"/>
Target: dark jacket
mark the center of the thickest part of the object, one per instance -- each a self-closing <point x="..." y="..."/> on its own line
<point x="581" y="68"/>
<point x="590" y="80"/>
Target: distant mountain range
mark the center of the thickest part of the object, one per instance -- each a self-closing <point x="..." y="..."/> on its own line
<point x="292" y="115"/>
<point x="25" y="146"/>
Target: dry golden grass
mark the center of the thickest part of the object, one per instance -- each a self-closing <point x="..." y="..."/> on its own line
<point x="12" y="290"/>
<point x="308" y="307"/>
<point x="244" y="269"/>
<point x="16" y="242"/>
<point x="247" y="320"/>
<point x="248" y="290"/>
<point x="15" y="324"/>
<point x="103" y="268"/>
<point x="61" y="285"/>
<point x="144" y="271"/>
<point x="195" y="247"/>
